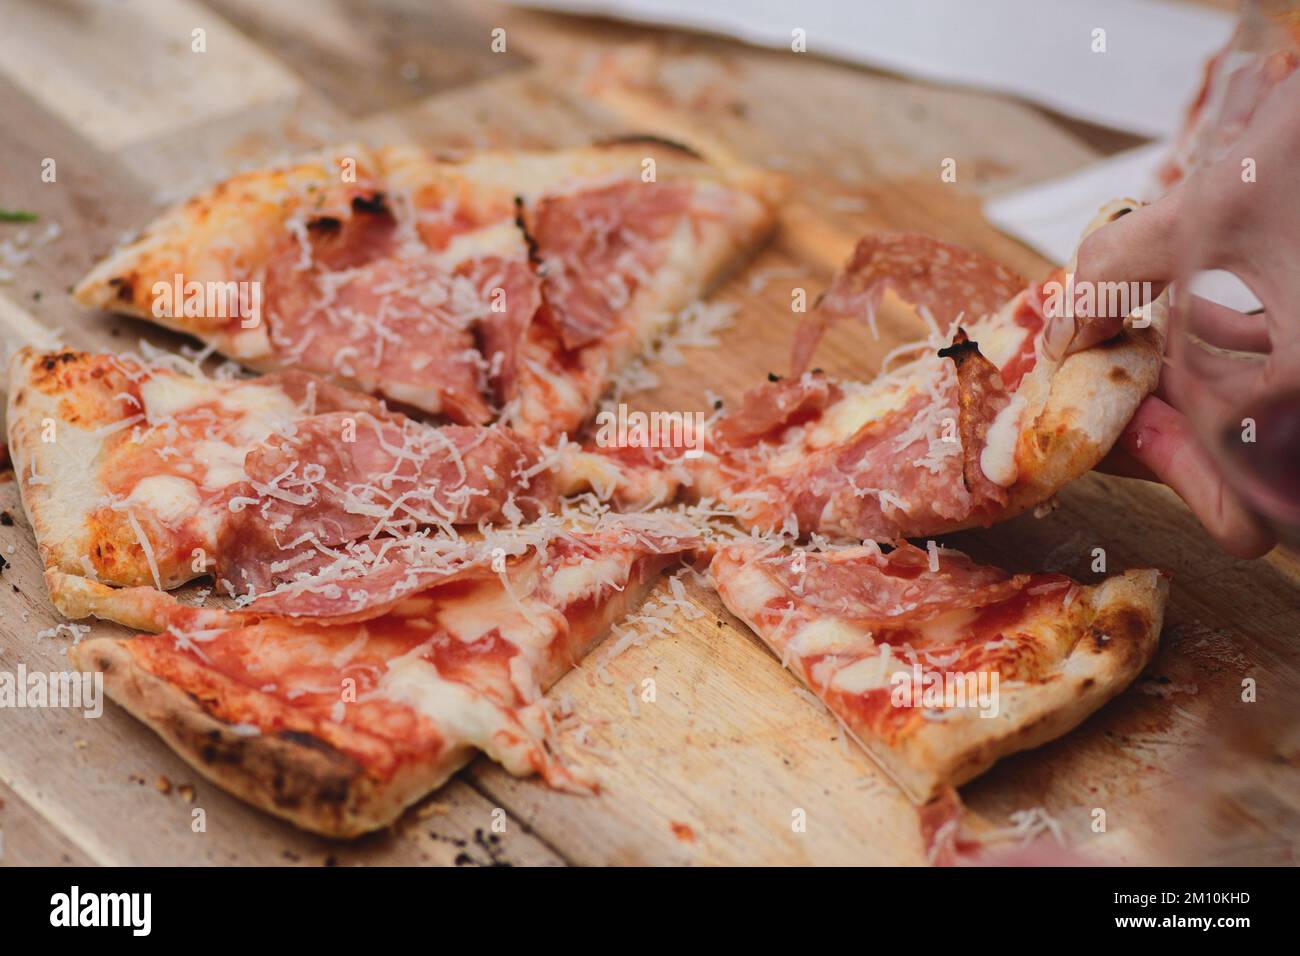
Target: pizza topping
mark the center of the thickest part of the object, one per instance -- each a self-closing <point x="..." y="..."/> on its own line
<point x="874" y="589"/>
<point x="772" y="407"/>
<point x="941" y="830"/>
<point x="597" y="247"/>
<point x="346" y="476"/>
<point x="406" y="327"/>
<point x="1029" y="316"/>
<point x="981" y="396"/>
<point x="461" y="661"/>
<point x="947" y="280"/>
<point x="898" y="472"/>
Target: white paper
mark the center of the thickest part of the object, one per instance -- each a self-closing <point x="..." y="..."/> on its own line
<point x="1041" y="50"/>
<point x="1050" y="216"/>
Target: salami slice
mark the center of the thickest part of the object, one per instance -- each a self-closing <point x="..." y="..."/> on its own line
<point x="774" y="406"/>
<point x="598" y="246"/>
<point x="405" y="327"/>
<point x="346" y="476"/>
<point x="944" y="278"/>
<point x="898" y="586"/>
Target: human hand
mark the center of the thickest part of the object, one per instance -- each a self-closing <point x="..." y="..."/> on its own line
<point x="1219" y="218"/>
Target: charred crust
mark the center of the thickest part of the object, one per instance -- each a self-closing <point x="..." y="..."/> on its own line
<point x="297" y="769"/>
<point x="325" y="224"/>
<point x="306" y="740"/>
<point x="1125" y="624"/>
<point x="52" y="361"/>
<point x="124" y="286"/>
<point x="374" y="205"/>
<point x="649" y="139"/>
<point x="1118" y="374"/>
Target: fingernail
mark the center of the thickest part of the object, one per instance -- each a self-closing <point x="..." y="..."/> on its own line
<point x="1057" y="336"/>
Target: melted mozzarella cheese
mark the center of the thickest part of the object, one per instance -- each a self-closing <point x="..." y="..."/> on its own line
<point x="500" y="239"/>
<point x="165" y="395"/>
<point x="525" y="623"/>
<point x="577" y="581"/>
<point x="998" y="459"/>
<point x="223" y="464"/>
<point x="862" y="403"/>
<point x="826" y="635"/>
<point x="947" y="627"/>
<point x="868" y="673"/>
<point x="170" y="498"/>
<point x="455" y="708"/>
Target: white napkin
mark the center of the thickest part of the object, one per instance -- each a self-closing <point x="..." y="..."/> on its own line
<point x="1041" y="50"/>
<point x="1050" y="216"/>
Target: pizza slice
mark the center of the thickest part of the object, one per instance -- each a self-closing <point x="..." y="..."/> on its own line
<point x="339" y="723"/>
<point x="936" y="665"/>
<point x="502" y="281"/>
<point x="976" y="425"/>
<point x="138" y="472"/>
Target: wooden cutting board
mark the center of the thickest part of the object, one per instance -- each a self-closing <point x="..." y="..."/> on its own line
<point x="728" y="757"/>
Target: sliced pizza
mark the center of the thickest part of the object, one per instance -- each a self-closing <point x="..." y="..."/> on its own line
<point x="338" y="723"/>
<point x="506" y="282"/>
<point x="936" y="665"/>
<point x="138" y="472"/>
<point x="979" y="424"/>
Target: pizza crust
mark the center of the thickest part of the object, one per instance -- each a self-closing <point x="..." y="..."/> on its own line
<point x="295" y="776"/>
<point x="1093" y="396"/>
<point x="227" y="232"/>
<point x="1118" y="627"/>
<point x="1122" y="632"/>
<point x="66" y="391"/>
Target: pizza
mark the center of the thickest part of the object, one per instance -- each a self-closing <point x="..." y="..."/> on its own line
<point x="497" y="286"/>
<point x="938" y="666"/>
<point x="337" y="723"/>
<point x="976" y="424"/>
<point x="138" y="472"/>
<point x="415" y="538"/>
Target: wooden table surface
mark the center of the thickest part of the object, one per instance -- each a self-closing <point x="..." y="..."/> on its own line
<point x="714" y="770"/>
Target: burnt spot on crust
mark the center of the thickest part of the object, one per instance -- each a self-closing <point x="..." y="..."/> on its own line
<point x="1124" y="623"/>
<point x="1121" y="630"/>
<point x="125" y="288"/>
<point x="327" y="225"/>
<point x="1118" y="374"/>
<point x="961" y="350"/>
<point x="52" y="361"/>
<point x="373" y="205"/>
<point x="297" y="768"/>
<point x="633" y="139"/>
<point x="306" y="740"/>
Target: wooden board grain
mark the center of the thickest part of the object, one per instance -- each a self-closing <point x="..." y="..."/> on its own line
<point x="727" y="759"/>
